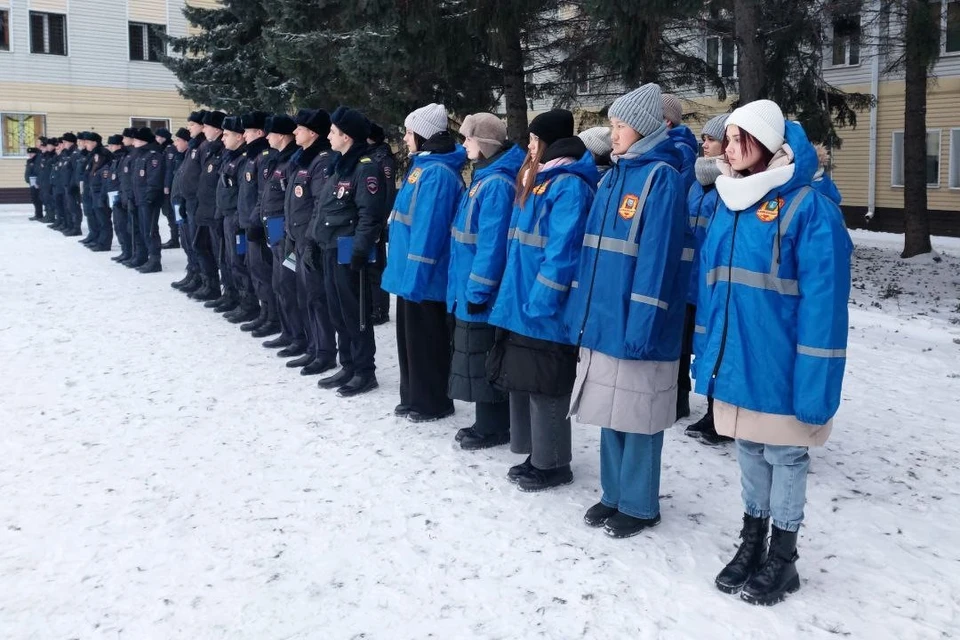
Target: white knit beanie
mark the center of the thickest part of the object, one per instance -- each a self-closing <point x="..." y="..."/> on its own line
<point x="488" y="130"/>
<point x="762" y="119"/>
<point x="427" y="121"/>
<point x="672" y="108"/>
<point x="597" y="140"/>
<point x="641" y="109"/>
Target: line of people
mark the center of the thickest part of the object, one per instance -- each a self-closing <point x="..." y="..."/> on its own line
<point x="563" y="282"/>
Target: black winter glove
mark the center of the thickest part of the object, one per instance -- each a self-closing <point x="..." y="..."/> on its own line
<point x="473" y="308"/>
<point x="358" y="262"/>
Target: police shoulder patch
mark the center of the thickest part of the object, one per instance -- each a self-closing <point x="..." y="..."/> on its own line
<point x="373" y="185"/>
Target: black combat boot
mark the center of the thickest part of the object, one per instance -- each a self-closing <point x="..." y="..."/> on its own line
<point x="535" y="479"/>
<point x="244" y="314"/>
<point x="778" y="575"/>
<point x="193" y="285"/>
<point x="253" y="325"/>
<point x="749" y="558"/>
<point x="268" y="328"/>
<point x="179" y="284"/>
<point x="151" y="266"/>
<point x="172" y="243"/>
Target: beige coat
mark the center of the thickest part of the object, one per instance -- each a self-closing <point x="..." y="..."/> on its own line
<point x="767" y="428"/>
<point x="632" y="396"/>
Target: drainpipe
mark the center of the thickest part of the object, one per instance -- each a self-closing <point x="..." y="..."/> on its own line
<point x="872" y="162"/>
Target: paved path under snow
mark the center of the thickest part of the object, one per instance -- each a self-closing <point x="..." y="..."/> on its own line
<point x="163" y="476"/>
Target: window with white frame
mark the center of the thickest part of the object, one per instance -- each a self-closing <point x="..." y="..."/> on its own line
<point x="932" y="161"/>
<point x="955" y="158"/>
<point x="48" y="33"/>
<point x="20" y="131"/>
<point x="846" y="40"/>
<point x="722" y="55"/>
<point x="4" y="30"/>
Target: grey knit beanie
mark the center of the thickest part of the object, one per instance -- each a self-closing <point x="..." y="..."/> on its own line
<point x="641" y="109"/>
<point x="597" y="140"/>
<point x="716" y="127"/>
<point x="672" y="108"/>
<point x="427" y="121"/>
<point x="489" y="131"/>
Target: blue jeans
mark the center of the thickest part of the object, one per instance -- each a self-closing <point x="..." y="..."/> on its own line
<point x="630" y="472"/>
<point x="774" y="482"/>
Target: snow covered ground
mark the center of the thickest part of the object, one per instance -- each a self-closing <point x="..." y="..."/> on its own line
<point x="165" y="477"/>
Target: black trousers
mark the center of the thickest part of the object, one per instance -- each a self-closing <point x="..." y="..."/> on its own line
<point x="203" y="248"/>
<point x="218" y="240"/>
<point x="423" y="349"/>
<point x="357" y="348"/>
<point x="288" y="306"/>
<point x="167" y="209"/>
<point x="137" y="228"/>
<point x="104" y="237"/>
<point x="312" y="297"/>
<point x="260" y="264"/>
<point x="121" y="225"/>
<point x="686" y="349"/>
<point x="74" y="210"/>
<point x="149" y="217"/>
<point x="37" y="202"/>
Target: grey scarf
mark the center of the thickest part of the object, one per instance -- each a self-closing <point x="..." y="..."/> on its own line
<point x="707" y="170"/>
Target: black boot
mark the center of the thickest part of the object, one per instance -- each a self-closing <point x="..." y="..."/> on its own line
<point x="317" y="367"/>
<point x="517" y="471"/>
<point x="293" y="350"/>
<point x="243" y="314"/>
<point x="209" y="291"/>
<point x="122" y="257"/>
<point x="378" y="318"/>
<point x="475" y="441"/>
<point x="598" y="514"/>
<point x="403" y="410"/>
<point x="302" y="361"/>
<point x="620" y="525"/>
<point x="712" y="438"/>
<point x="749" y="558"/>
<point x="683" y="405"/>
<point x="703" y="424"/>
<point x="151" y="266"/>
<point x="211" y="304"/>
<point x="417" y="416"/>
<point x="338" y="379"/>
<point x="542" y="479"/>
<point x="228" y="305"/>
<point x="172" y="243"/>
<point x="268" y="328"/>
<point x="778" y="575"/>
<point x="179" y="284"/>
<point x="360" y="383"/>
<point x="193" y="285"/>
<point x="256" y="323"/>
<point x="280" y="342"/>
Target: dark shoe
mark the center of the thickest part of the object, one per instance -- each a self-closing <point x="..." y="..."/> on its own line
<point x="193" y="285"/>
<point x="228" y="305"/>
<point x="88" y="240"/>
<point x="402" y="411"/>
<point x="536" y="480"/>
<point x="152" y="266"/>
<point x="598" y="514"/>
<point x="302" y="361"/>
<point x="240" y="314"/>
<point x="337" y="380"/>
<point x="416" y="416"/>
<point x="295" y="349"/>
<point x="461" y="433"/>
<point x="136" y="263"/>
<point x="620" y="525"/>
<point x="749" y="558"/>
<point x="703" y="424"/>
<point x="267" y="329"/>
<point x="713" y="439"/>
<point x="179" y="284"/>
<point x="683" y="405"/>
<point x="206" y="293"/>
<point x="360" y="383"/>
<point x="216" y="303"/>
<point x="477" y="441"/>
<point x="778" y="575"/>
<point x="256" y="323"/>
<point x="378" y="319"/>
<point x="513" y="475"/>
<point x="121" y="257"/>
<point x="279" y="342"/>
<point x="100" y="248"/>
<point x="317" y="367"/>
<point x="172" y="243"/>
<point x="72" y="233"/>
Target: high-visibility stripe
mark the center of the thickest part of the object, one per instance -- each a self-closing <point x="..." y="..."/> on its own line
<point x="416" y="258"/>
<point x="699" y="221"/>
<point x="687" y="255"/>
<point x="784" y="223"/>
<point x="529" y="239"/>
<point x="625" y="247"/>
<point x="482" y="280"/>
<point x="575" y="284"/>
<point x="403" y="218"/>
<point x="817" y="352"/>
<point x="463" y="238"/>
<point x="556" y="286"/>
<point x="736" y="275"/>
<point x="636" y="297"/>
<point x="700" y="329"/>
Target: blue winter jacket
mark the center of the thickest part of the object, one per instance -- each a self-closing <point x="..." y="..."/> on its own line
<point x="825" y="185"/>
<point x="772" y="313"/>
<point x="543" y="252"/>
<point x="701" y="205"/>
<point x="419" y="253"/>
<point x="687" y="144"/>
<point x="478" y="247"/>
<point x="629" y="298"/>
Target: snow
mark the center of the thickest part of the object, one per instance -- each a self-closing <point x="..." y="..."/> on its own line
<point x="166" y="477"/>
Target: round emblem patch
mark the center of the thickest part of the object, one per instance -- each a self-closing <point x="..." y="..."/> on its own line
<point x="770" y="211"/>
<point x="210" y="168"/>
<point x="142" y="173"/>
<point x="248" y="176"/>
<point x="298" y="191"/>
<point x="340" y="192"/>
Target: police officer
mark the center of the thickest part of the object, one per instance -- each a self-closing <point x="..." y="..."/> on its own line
<point x="188" y="177"/>
<point x="98" y="179"/>
<point x="165" y="140"/>
<point x="110" y="188"/>
<point x="93" y="146"/>
<point x="148" y="194"/>
<point x="30" y="177"/>
<point x="122" y="209"/>
<point x="75" y="199"/>
<point x="44" y="167"/>
<point x="280" y="136"/>
<point x="351" y="209"/>
<point x="141" y="139"/>
<point x="205" y="227"/>
<point x="255" y="265"/>
<point x="63" y="187"/>
<point x="307" y="177"/>
<point x="173" y="159"/>
<point x="382" y="154"/>
<point x="228" y="191"/>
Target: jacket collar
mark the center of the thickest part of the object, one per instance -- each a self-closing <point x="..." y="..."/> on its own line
<point x="256" y="147"/>
<point x="346" y="162"/>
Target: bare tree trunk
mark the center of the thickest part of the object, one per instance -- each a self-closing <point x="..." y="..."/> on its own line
<point x="916" y="237"/>
<point x="514" y="82"/>
<point x="750" y="68"/>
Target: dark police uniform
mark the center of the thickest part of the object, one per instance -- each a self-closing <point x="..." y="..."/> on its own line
<point x="284" y="280"/>
<point x="30" y="171"/>
<point x="352" y="202"/>
<point x="122" y="218"/>
<point x="85" y="164"/>
<point x="148" y="197"/>
<point x="189" y="179"/>
<point x="171" y="162"/>
<point x="382" y="154"/>
<point x="75" y="200"/>
<point x="206" y="230"/>
<point x="61" y="187"/>
<point x="44" y="168"/>
<point x="97" y="181"/>
<point x="255" y="269"/>
<point x="228" y="193"/>
<point x="308" y="173"/>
